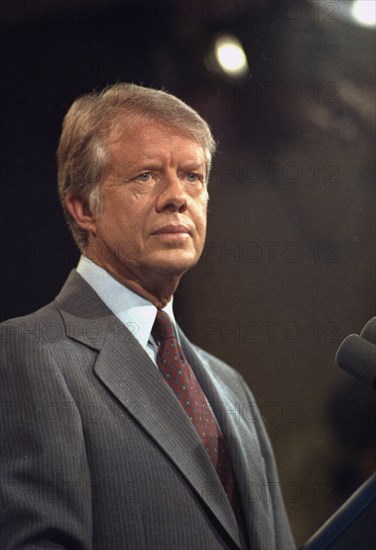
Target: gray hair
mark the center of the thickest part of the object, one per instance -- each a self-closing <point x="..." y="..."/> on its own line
<point x="82" y="151"/>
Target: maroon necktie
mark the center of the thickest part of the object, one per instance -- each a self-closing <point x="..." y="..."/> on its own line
<point x="181" y="378"/>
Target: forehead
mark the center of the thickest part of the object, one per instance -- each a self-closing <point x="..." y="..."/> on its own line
<point x="144" y="135"/>
<point x="127" y="125"/>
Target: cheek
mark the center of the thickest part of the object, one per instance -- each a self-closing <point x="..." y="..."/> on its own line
<point x="202" y="216"/>
<point x="201" y="224"/>
<point x="121" y="213"/>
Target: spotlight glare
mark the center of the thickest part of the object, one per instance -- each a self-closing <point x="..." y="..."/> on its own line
<point x="230" y="55"/>
<point x="364" y="12"/>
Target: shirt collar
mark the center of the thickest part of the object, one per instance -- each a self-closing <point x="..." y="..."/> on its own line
<point x="134" y="311"/>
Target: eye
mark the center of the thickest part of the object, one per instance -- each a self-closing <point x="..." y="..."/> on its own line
<point x="194" y="177"/>
<point x="143" y="177"/>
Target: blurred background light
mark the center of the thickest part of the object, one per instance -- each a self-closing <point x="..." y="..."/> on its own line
<point x="358" y="12"/>
<point x="230" y="55"/>
<point x="364" y="12"/>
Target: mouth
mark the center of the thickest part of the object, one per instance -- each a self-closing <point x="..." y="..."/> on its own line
<point x="173" y="230"/>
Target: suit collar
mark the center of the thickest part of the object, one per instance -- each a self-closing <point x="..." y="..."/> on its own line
<point x="86" y="317"/>
<point x="129" y="374"/>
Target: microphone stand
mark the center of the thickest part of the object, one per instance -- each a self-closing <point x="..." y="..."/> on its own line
<point x="353" y="526"/>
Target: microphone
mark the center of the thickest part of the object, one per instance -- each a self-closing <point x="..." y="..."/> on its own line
<point x="357" y="354"/>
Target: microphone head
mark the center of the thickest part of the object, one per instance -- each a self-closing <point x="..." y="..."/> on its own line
<point x="369" y="331"/>
<point x="357" y="356"/>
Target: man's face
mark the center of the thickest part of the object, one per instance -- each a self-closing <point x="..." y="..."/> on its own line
<point x="152" y="218"/>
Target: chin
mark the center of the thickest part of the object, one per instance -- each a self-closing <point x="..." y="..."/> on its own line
<point x="174" y="264"/>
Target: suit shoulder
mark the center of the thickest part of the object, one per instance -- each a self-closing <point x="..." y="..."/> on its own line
<point x="42" y="314"/>
<point x="44" y="320"/>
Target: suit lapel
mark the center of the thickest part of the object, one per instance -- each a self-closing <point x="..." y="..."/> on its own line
<point x="128" y="373"/>
<point x="242" y="442"/>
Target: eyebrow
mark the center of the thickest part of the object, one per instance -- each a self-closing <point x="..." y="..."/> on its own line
<point x="154" y="165"/>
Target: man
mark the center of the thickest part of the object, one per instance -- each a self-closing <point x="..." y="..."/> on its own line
<point x="117" y="432"/>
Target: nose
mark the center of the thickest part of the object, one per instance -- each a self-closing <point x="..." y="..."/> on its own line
<point x="172" y="196"/>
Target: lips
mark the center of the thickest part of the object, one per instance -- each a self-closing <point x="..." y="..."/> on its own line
<point x="171" y="229"/>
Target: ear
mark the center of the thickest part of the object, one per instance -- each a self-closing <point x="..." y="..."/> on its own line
<point x="81" y="212"/>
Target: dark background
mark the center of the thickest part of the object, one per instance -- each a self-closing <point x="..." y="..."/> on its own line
<point x="288" y="270"/>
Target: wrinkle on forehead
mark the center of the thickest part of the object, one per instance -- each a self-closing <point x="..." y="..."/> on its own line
<point x="128" y="125"/>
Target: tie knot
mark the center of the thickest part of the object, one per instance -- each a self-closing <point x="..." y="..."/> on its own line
<point x="163" y="327"/>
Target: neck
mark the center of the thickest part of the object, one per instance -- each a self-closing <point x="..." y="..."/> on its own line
<point x="158" y="295"/>
<point x="156" y="288"/>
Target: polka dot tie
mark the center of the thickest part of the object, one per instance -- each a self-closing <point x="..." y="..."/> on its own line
<point x="182" y="380"/>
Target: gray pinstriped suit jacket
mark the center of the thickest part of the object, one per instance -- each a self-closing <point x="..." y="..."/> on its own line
<point x="97" y="453"/>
